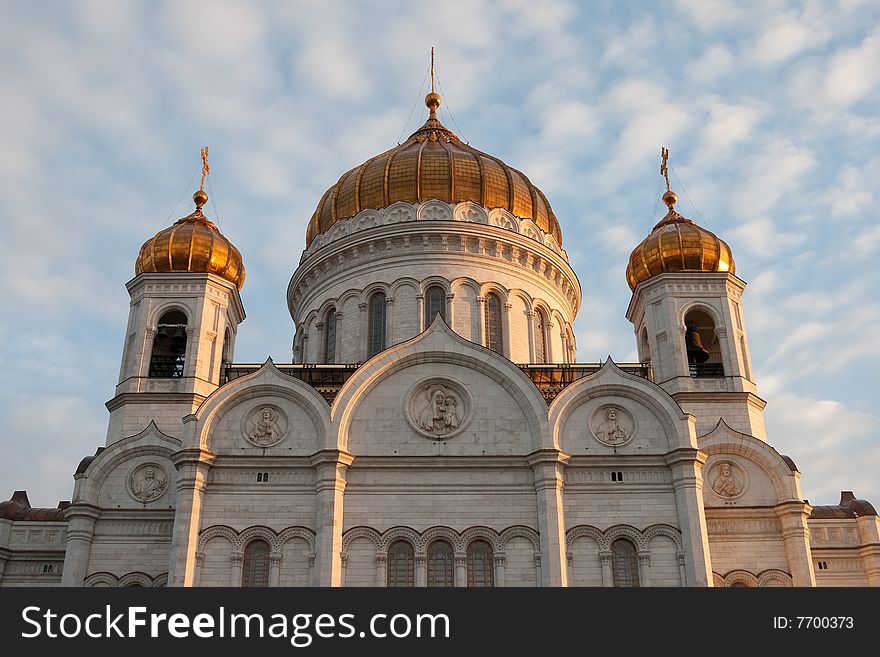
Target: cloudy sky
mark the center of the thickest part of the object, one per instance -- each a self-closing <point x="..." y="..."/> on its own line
<point x="769" y="108"/>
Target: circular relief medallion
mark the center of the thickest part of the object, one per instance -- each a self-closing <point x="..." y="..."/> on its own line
<point x="728" y="479"/>
<point x="612" y="425"/>
<point x="438" y="408"/>
<point x="147" y="482"/>
<point x="265" y="425"/>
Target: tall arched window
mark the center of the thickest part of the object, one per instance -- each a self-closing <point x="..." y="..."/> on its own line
<point x="169" y="346"/>
<point x="435" y="303"/>
<point x="480" y="564"/>
<point x="255" y="569"/>
<point x="624" y="563"/>
<point x="376" y="329"/>
<point x="227" y="348"/>
<point x="492" y="321"/>
<point x="401" y="564"/>
<point x="540" y="337"/>
<point x="441" y="564"/>
<point x="702" y="346"/>
<point x="330" y="336"/>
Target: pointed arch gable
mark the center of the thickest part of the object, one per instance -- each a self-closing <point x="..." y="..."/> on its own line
<point x="439" y="344"/>
<point x="267" y="381"/>
<point x="611" y="380"/>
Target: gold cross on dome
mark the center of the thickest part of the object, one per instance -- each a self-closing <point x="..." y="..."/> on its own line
<point x="664" y="171"/>
<point x="206" y="168"/>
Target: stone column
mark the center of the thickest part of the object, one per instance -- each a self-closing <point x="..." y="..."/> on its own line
<point x="531" y="316"/>
<point x="547" y="466"/>
<point x="81" y="520"/>
<point x="200" y="563"/>
<point x="381" y="572"/>
<point x="274" y="569"/>
<point x="506" y="329"/>
<point x="193" y="466"/>
<point x="682" y="575"/>
<point x="421" y="301"/>
<point x="343" y="560"/>
<point x="499" y="570"/>
<point x="549" y="349"/>
<point x="644" y="568"/>
<point x="362" y="337"/>
<point x="686" y="464"/>
<point x="869" y="547"/>
<point x="607" y="573"/>
<point x="461" y="569"/>
<point x="330" y="466"/>
<point x="792" y="517"/>
<point x="235" y="571"/>
<point x="421" y="570"/>
<point x="538" y="576"/>
<point x="389" y="321"/>
<point x="482" y="338"/>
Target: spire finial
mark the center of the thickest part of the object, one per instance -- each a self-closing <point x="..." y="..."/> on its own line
<point x="670" y="197"/>
<point x="200" y="197"/>
<point x="432" y="100"/>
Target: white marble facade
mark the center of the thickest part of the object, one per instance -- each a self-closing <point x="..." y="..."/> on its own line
<point x="628" y="475"/>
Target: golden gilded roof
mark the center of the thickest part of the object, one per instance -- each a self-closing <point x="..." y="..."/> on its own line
<point x="192" y="244"/>
<point x="677" y="244"/>
<point x="433" y="163"/>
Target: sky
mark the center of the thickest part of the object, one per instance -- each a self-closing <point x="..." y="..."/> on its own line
<point x="769" y="110"/>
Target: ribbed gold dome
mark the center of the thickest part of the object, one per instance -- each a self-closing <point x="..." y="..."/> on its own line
<point x="677" y="244"/>
<point x="192" y="244"/>
<point x="433" y="163"/>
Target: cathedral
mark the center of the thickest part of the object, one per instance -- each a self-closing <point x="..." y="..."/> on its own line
<point x="434" y="426"/>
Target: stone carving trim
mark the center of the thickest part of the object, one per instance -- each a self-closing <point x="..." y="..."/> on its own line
<point x="728" y="479"/>
<point x="265" y="426"/>
<point x="147" y="482"/>
<point x="612" y="425"/>
<point x="438" y="408"/>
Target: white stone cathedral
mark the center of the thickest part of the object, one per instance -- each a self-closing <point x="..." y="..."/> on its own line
<point x="434" y="427"/>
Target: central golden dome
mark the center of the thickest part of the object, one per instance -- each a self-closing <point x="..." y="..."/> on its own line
<point x="433" y="163"/>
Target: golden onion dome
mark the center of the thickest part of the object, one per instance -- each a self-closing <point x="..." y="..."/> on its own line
<point x="677" y="244"/>
<point x="433" y="163"/>
<point x="192" y="244"/>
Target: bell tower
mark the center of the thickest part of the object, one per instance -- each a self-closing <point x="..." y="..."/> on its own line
<point x="686" y="310"/>
<point x="184" y="315"/>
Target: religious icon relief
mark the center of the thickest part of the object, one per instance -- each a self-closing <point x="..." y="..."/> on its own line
<point x="438" y="409"/>
<point x="612" y="426"/>
<point x="147" y="482"/>
<point x="728" y="480"/>
<point x="265" y="426"/>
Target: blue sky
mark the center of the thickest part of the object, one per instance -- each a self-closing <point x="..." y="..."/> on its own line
<point x="769" y="109"/>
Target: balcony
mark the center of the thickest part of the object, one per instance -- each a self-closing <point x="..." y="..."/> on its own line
<point x="706" y="370"/>
<point x="550" y="380"/>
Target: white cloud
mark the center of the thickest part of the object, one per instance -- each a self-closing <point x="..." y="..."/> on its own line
<point x="712" y="64"/>
<point x="853" y="73"/>
<point x="790" y="35"/>
<point x="852" y="193"/>
<point x="728" y="124"/>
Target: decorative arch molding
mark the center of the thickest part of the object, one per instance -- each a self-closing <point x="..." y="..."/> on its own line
<point x="148" y="442"/>
<point x="740" y="577"/>
<point x="520" y="531"/>
<point x="140" y="579"/>
<point x="404" y="282"/>
<point x="774" y="574"/>
<point x="725" y="441"/>
<point x="217" y="531"/>
<point x="440" y="344"/>
<point x="160" y="581"/>
<point x="611" y="380"/>
<point x="360" y="532"/>
<point x="237" y="540"/>
<point x="717" y="580"/>
<point x="641" y="538"/>
<point x="706" y="307"/>
<point x="406" y="533"/>
<point x="265" y="382"/>
<point x="432" y="209"/>
<point x="165" y="307"/>
<point x="257" y="532"/>
<point x="585" y="531"/>
<point x="626" y="531"/>
<point x="421" y="540"/>
<point x="96" y="579"/>
<point x="442" y="533"/>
